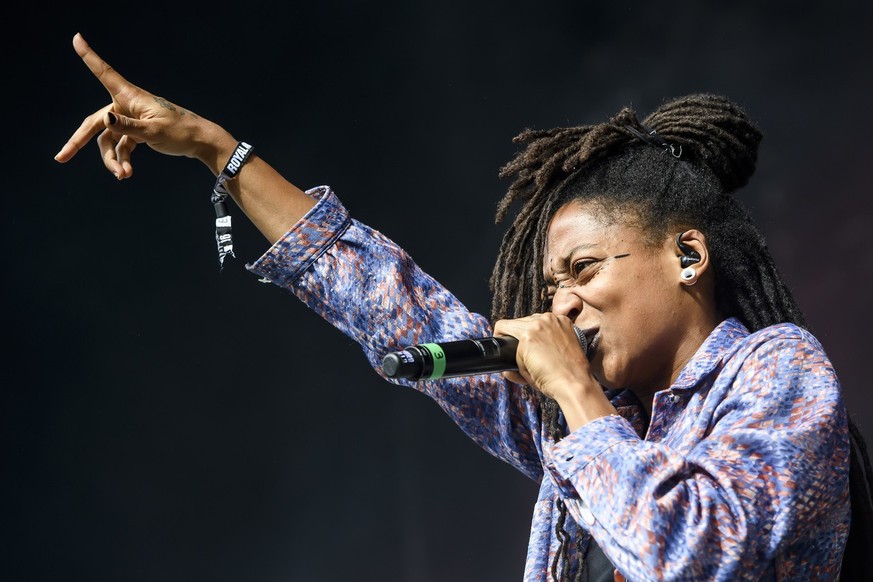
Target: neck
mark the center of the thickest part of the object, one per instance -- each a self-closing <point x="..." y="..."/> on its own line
<point x="695" y="334"/>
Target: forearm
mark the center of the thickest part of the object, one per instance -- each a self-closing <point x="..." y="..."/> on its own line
<point x="584" y="404"/>
<point x="271" y="202"/>
<point x="372" y="291"/>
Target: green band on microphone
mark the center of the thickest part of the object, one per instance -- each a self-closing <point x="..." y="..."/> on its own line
<point x="439" y="360"/>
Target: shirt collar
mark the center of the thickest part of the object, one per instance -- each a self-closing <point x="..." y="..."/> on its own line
<point x="720" y="342"/>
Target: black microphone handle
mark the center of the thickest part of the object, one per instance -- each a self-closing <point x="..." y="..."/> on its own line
<point x="431" y="361"/>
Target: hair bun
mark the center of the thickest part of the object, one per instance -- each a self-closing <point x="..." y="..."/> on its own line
<point x="714" y="132"/>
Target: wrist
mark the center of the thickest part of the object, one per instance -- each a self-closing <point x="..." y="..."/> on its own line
<point x="214" y="147"/>
<point x="583" y="402"/>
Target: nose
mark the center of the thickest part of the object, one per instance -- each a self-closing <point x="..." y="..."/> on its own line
<point x="567" y="302"/>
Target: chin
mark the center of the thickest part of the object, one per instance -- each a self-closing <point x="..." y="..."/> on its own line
<point x="602" y="378"/>
<point x="606" y="375"/>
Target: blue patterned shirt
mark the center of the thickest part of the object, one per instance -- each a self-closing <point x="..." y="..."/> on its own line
<point x="742" y="473"/>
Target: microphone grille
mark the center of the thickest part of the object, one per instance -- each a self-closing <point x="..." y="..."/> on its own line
<point x="582" y="341"/>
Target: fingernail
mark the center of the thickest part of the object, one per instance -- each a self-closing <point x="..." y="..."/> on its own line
<point x="112" y="119"/>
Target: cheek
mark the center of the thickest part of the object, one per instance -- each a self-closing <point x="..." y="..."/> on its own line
<point x="618" y="302"/>
<point x="634" y="295"/>
<point x="635" y="309"/>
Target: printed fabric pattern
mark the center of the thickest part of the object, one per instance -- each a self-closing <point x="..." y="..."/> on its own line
<point x="741" y="474"/>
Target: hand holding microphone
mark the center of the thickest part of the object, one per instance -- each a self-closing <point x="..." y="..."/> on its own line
<point x="431" y="361"/>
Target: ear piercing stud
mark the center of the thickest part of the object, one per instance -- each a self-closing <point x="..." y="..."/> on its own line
<point x="688" y="274"/>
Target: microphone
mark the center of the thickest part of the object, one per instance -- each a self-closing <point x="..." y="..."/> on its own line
<point x="466" y="357"/>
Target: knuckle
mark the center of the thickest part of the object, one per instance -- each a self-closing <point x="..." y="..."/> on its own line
<point x="103" y="69"/>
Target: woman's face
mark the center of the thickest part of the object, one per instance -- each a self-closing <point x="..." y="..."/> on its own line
<point x="626" y="295"/>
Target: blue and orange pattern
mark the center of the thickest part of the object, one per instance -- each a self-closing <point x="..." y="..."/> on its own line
<point x="742" y="473"/>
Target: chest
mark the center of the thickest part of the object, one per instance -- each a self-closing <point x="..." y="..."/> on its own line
<point x="681" y="418"/>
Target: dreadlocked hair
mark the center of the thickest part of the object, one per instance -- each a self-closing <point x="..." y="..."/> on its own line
<point x="706" y="149"/>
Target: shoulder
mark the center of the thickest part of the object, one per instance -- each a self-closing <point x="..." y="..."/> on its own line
<point x="784" y="360"/>
<point x="781" y="338"/>
<point x="782" y="331"/>
<point x="779" y="378"/>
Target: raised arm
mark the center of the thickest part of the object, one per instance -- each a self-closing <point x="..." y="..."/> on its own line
<point x="136" y="116"/>
<point x="357" y="279"/>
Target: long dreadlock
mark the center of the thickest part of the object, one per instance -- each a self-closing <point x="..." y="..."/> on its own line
<point x="708" y="150"/>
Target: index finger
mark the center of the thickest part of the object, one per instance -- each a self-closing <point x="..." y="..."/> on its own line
<point x="109" y="77"/>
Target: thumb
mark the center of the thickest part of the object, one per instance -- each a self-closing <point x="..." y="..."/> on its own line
<point x="124" y="125"/>
<point x="166" y="136"/>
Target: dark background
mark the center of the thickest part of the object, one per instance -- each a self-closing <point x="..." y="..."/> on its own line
<point x="162" y="421"/>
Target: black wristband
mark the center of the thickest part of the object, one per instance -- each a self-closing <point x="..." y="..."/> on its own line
<point x="223" y="231"/>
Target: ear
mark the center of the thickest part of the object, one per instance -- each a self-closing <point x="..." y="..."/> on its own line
<point x="692" y="256"/>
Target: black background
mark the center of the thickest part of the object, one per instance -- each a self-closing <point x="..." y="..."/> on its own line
<point x="162" y="421"/>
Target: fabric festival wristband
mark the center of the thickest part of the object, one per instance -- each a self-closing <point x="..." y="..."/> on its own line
<point x="223" y="231"/>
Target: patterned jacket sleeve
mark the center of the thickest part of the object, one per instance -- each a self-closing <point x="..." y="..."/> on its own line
<point x="372" y="291"/>
<point x="757" y="482"/>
